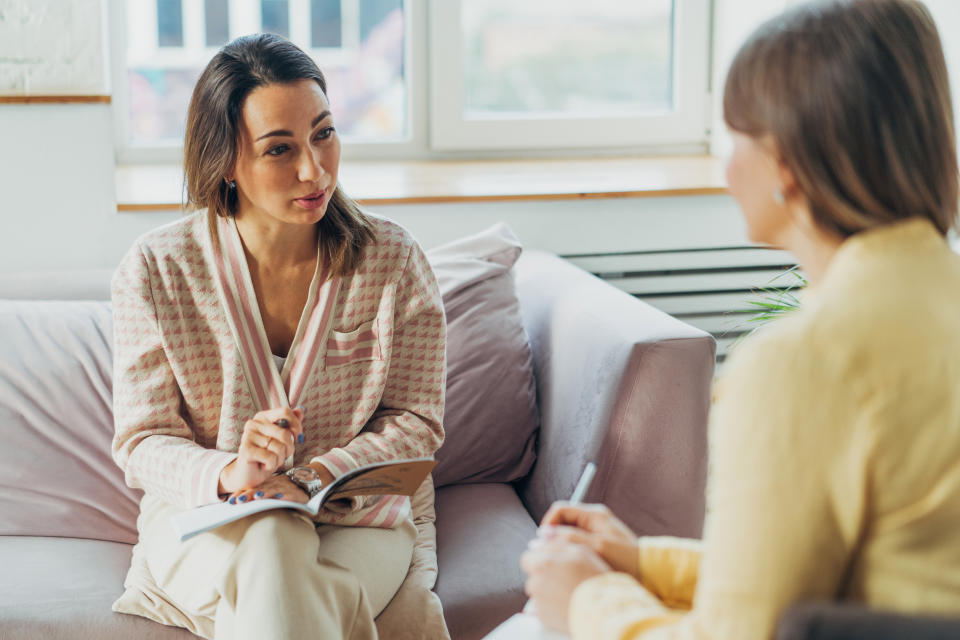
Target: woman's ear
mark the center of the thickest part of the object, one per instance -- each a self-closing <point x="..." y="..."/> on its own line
<point x="788" y="182"/>
<point x="795" y="202"/>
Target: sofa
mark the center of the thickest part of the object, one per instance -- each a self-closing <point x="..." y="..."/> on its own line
<point x="613" y="380"/>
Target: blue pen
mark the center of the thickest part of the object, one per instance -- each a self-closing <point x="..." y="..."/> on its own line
<point x="283" y="423"/>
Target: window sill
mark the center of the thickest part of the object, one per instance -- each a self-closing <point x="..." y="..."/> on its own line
<point x="66" y="98"/>
<point x="152" y="188"/>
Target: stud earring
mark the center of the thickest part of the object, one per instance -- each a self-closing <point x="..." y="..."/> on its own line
<point x="233" y="185"/>
<point x="778" y="197"/>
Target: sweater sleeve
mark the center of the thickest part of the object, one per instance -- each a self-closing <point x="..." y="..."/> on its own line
<point x="669" y="568"/>
<point x="152" y="443"/>
<point x="786" y="499"/>
<point x="408" y="421"/>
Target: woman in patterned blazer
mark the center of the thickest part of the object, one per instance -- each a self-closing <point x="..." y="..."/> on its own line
<point x="276" y="338"/>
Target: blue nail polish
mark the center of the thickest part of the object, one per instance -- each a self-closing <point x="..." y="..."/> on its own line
<point x="278" y="495"/>
<point x="233" y="501"/>
<point x="300" y="438"/>
<point x="243" y="498"/>
<point x="259" y="494"/>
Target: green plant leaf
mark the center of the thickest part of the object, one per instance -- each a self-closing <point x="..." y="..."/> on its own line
<point x="776" y="301"/>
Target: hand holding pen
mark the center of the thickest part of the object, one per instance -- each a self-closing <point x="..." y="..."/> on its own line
<point x="264" y="447"/>
<point x="555" y="564"/>
<point x="593" y="526"/>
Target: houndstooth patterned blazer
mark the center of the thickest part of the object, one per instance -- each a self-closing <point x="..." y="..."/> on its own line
<point x="192" y="364"/>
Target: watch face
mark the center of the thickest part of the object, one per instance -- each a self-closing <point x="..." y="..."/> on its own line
<point x="304" y="474"/>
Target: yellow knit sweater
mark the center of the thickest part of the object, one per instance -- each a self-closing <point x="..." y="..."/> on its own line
<point x="836" y="467"/>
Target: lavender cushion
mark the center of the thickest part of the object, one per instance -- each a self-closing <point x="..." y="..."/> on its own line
<point x="56" y="422"/>
<point x="491" y="416"/>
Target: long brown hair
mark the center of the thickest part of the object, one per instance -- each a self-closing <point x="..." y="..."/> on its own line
<point x="856" y="97"/>
<point x="211" y="144"/>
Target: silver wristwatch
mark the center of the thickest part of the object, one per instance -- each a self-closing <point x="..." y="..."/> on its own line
<point x="306" y="478"/>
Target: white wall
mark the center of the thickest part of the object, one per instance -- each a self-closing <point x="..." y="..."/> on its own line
<point x="586" y="226"/>
<point x="52" y="46"/>
<point x="56" y="179"/>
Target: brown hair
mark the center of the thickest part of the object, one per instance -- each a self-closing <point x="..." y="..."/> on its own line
<point x="211" y="144"/>
<point x="856" y="98"/>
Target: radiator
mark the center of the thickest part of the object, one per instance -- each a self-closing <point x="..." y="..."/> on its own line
<point x="709" y="288"/>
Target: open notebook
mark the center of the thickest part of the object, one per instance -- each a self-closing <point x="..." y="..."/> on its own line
<point x="395" y="477"/>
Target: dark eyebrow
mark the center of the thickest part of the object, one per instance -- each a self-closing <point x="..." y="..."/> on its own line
<point x="284" y="132"/>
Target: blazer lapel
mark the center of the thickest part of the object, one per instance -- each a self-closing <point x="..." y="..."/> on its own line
<point x="307" y="350"/>
<point x="239" y="301"/>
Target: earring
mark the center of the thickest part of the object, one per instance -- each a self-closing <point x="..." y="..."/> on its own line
<point x="778" y="197"/>
<point x="230" y="184"/>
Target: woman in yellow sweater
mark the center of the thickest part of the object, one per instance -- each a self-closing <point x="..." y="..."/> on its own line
<point x="836" y="470"/>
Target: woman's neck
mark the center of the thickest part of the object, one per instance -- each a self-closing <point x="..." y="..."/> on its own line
<point x="812" y="246"/>
<point x="275" y="245"/>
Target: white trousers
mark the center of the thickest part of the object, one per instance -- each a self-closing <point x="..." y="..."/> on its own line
<point x="276" y="575"/>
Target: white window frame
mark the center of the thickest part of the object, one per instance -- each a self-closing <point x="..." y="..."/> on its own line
<point x="245" y="20"/>
<point x="435" y="129"/>
<point x="686" y="125"/>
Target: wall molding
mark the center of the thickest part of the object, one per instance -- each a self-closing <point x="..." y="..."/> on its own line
<point x="45" y="99"/>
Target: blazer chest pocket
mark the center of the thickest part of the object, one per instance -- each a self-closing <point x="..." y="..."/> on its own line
<point x="363" y="343"/>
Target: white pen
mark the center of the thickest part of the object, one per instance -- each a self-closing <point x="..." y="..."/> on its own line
<point x="584" y="483"/>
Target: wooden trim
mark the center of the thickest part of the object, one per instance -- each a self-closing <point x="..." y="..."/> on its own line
<point x="699" y="191"/>
<point x="141" y="206"/>
<point x="87" y="99"/>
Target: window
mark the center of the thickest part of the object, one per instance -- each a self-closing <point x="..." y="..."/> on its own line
<point x="437" y="78"/>
<point x="359" y="44"/>
<point x="598" y="73"/>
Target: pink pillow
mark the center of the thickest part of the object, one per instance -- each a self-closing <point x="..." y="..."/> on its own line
<point x="491" y="416"/>
<point x="56" y="422"/>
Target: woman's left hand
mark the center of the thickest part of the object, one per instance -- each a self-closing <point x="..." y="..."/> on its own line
<point x="554" y="569"/>
<point x="278" y="486"/>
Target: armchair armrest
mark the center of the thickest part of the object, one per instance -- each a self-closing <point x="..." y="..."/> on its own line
<point x="620" y="383"/>
<point x="838" y="621"/>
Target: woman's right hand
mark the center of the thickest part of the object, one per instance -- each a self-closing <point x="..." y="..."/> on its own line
<point x="595" y="527"/>
<point x="264" y="446"/>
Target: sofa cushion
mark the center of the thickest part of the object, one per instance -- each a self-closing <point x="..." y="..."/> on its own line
<point x="61" y="589"/>
<point x="491" y="415"/>
<point x="56" y="422"/>
<point x="480" y="582"/>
